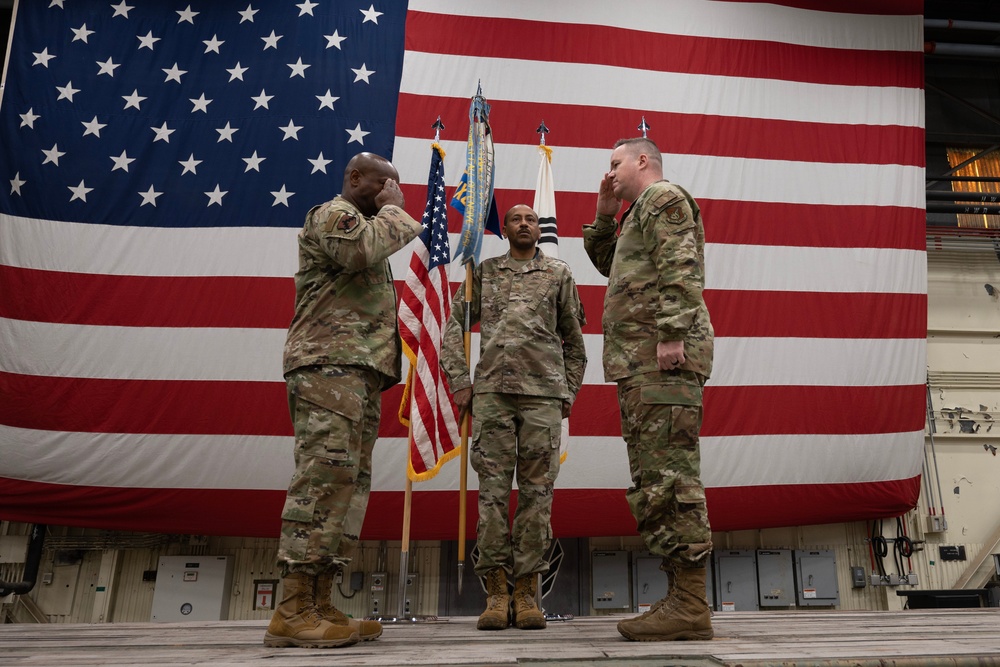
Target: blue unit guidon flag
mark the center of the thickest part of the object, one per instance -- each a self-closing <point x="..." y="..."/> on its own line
<point x="157" y="159"/>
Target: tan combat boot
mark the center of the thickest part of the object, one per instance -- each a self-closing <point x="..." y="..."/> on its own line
<point x="527" y="615"/>
<point x="367" y="629"/>
<point x="497" y="614"/>
<point x="683" y="615"/>
<point x="297" y="621"/>
<point x="670" y="598"/>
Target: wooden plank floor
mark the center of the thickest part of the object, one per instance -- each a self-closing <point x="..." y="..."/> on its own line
<point x="789" y="639"/>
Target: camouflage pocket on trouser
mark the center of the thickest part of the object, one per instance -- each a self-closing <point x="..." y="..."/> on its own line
<point x="670" y="394"/>
<point x="327" y="406"/>
<point x="299" y="508"/>
<point x="338" y="389"/>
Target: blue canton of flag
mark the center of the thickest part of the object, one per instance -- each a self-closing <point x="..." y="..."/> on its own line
<point x="435" y="218"/>
<point x="194" y="114"/>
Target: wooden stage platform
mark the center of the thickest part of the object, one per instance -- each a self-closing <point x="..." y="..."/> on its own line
<point x="789" y="639"/>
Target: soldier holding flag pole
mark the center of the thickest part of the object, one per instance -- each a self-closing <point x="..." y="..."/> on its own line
<point x="532" y="359"/>
<point x="530" y="369"/>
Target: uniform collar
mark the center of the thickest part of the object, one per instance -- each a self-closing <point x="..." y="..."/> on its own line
<point x="643" y="196"/>
<point x="533" y="264"/>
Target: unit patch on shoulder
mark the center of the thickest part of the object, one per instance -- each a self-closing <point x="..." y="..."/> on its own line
<point x="347" y="223"/>
<point x="675" y="214"/>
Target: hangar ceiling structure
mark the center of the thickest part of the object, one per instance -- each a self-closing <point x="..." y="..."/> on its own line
<point x="962" y="93"/>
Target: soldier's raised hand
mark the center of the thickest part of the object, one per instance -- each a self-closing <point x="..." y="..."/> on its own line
<point x="607" y="203"/>
<point x="390" y="194"/>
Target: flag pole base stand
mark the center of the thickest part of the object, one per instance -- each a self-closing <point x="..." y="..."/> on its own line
<point x="558" y="617"/>
<point x="406" y="620"/>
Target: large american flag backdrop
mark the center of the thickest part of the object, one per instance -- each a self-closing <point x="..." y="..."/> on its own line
<point x="157" y="159"/>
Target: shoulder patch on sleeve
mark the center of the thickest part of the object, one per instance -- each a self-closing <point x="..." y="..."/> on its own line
<point x="664" y="197"/>
<point x="671" y="206"/>
<point x="347" y="223"/>
<point x="339" y="222"/>
<point x="675" y="214"/>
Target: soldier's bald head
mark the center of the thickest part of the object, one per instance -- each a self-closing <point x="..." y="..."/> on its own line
<point x="520" y="208"/>
<point x="365" y="163"/>
<point x="364" y="177"/>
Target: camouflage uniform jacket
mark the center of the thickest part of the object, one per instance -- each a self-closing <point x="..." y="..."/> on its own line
<point x="656" y="274"/>
<point x="530" y="319"/>
<point x="345" y="301"/>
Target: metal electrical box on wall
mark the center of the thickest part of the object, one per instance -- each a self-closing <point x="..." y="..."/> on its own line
<point x="736" y="580"/>
<point x="412" y="594"/>
<point x="609" y="574"/>
<point x="378" y="603"/>
<point x="816" y="576"/>
<point x="649" y="582"/>
<point x="775" y="578"/>
<point x="192" y="588"/>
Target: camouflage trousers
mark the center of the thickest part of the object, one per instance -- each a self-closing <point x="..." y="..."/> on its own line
<point x="661" y="419"/>
<point x="335" y="411"/>
<point x="515" y="435"/>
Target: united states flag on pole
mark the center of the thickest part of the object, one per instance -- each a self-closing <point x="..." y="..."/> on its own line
<point x="157" y="160"/>
<point x="424" y="309"/>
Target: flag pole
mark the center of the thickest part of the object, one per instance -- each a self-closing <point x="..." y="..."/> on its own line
<point x="463" y="478"/>
<point x="404" y="553"/>
<point x="464" y="428"/>
<point x="479" y="166"/>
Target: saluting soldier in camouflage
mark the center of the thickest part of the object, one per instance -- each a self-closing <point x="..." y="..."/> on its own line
<point x="530" y="368"/>
<point x="658" y="343"/>
<point x="342" y="351"/>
